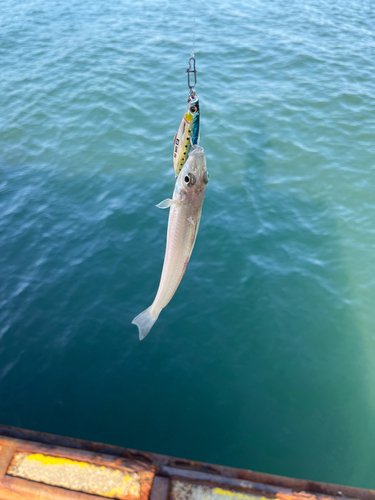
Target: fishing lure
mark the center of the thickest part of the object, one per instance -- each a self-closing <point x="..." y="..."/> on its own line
<point x="188" y="133"/>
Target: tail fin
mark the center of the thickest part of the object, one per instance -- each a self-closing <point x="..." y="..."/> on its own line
<point x="145" y="321"/>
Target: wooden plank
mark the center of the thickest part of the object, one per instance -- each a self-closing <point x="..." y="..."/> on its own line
<point x="32" y="470"/>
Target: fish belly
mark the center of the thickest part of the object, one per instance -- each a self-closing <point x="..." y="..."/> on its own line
<point x="183" y="226"/>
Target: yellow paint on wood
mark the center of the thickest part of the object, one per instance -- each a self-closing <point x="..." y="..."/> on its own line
<point x="76" y="475"/>
<point x="48" y="460"/>
<point x="236" y="495"/>
<point x="184" y="490"/>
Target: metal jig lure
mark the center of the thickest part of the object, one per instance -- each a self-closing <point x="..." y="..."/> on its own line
<point x="188" y="133"/>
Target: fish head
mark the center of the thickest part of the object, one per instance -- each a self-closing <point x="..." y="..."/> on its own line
<point x="193" y="177"/>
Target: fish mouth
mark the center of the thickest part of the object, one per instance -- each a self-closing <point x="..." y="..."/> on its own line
<point x="196" y="150"/>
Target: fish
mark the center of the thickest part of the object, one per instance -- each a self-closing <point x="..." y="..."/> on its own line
<point x="187" y="134"/>
<point x="183" y="223"/>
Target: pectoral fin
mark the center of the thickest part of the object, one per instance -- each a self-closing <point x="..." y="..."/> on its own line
<point x="165" y="203"/>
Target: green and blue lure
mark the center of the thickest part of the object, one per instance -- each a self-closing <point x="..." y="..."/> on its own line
<point x="188" y="133"/>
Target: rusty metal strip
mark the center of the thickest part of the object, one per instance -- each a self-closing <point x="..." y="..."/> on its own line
<point x="159" y="488"/>
<point x="7" y="449"/>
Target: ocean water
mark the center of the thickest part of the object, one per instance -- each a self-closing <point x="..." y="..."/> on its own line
<point x="264" y="359"/>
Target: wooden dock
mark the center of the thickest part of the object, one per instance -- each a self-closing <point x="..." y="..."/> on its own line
<point x="40" y="466"/>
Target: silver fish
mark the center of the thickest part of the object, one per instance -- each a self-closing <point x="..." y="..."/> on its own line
<point x="184" y="217"/>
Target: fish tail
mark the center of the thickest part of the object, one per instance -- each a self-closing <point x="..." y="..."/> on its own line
<point x="145" y="321"/>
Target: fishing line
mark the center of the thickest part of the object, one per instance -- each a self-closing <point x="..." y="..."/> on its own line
<point x="187" y="136"/>
<point x="192" y="61"/>
<point x="192" y="52"/>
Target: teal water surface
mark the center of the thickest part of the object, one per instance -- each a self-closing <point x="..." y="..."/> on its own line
<point x="264" y="359"/>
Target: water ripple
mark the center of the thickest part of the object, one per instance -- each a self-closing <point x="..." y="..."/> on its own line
<point x="276" y="309"/>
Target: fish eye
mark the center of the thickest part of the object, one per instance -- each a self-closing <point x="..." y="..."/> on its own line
<point x="205" y="177"/>
<point x="193" y="109"/>
<point x="190" y="179"/>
